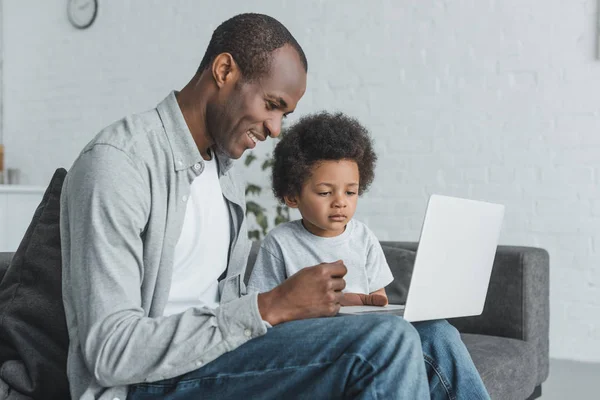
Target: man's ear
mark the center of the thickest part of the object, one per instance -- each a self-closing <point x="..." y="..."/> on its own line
<point x="225" y="70"/>
<point x="291" y="201"/>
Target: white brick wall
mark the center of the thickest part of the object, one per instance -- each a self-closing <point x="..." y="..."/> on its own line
<point x="495" y="100"/>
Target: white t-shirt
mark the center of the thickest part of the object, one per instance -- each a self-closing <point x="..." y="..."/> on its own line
<point x="202" y="249"/>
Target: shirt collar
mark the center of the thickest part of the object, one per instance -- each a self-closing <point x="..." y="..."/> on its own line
<point x="184" y="149"/>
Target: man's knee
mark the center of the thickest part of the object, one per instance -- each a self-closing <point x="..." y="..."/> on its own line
<point x="384" y="340"/>
<point x="440" y="329"/>
<point x="439" y="333"/>
<point x="393" y="330"/>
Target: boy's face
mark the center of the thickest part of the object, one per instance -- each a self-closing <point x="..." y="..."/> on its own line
<point x="328" y="198"/>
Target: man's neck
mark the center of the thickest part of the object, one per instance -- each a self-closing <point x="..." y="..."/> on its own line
<point x="192" y="102"/>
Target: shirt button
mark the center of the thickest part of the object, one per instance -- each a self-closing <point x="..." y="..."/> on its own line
<point x="248" y="332"/>
<point x="116" y="398"/>
<point x="198" y="363"/>
<point x="184" y="198"/>
<point x="197" y="166"/>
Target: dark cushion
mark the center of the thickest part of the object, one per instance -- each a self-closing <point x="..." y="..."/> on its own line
<point x="33" y="331"/>
<point x="401" y="262"/>
<point x="4" y="262"/>
<point x="508" y="367"/>
<point x="7" y="393"/>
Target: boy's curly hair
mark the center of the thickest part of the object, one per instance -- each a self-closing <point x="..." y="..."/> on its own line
<point x="320" y="137"/>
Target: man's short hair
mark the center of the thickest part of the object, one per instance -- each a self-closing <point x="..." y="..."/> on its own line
<point x="250" y="39"/>
<point x="320" y="137"/>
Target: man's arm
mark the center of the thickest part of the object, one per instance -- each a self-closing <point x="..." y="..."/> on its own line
<point x="104" y="211"/>
<point x="310" y="293"/>
<point x="316" y="292"/>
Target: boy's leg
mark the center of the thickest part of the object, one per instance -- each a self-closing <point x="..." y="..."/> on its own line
<point x="450" y="369"/>
<point x="360" y="357"/>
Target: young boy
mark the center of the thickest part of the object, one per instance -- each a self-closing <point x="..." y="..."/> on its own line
<point x="322" y="165"/>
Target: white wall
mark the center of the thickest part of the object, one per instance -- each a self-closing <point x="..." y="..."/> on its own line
<point x="495" y="100"/>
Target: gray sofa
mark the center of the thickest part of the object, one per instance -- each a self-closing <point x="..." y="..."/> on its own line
<point x="509" y="341"/>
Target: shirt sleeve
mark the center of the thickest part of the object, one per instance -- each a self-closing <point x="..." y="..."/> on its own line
<point x="269" y="268"/>
<point x="378" y="270"/>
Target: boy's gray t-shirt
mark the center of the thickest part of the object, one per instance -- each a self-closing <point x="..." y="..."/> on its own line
<point x="290" y="247"/>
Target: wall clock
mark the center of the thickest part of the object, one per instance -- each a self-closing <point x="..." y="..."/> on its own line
<point x="82" y="13"/>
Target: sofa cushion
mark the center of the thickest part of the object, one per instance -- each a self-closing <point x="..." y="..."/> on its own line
<point x="401" y="262"/>
<point x="7" y="393"/>
<point x="33" y="332"/>
<point x="507" y="366"/>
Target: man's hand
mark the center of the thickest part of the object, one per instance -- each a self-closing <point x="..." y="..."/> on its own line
<point x="310" y="293"/>
<point x="377" y="298"/>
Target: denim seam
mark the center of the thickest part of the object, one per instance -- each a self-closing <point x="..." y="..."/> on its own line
<point x="191" y="382"/>
<point x="436" y="369"/>
<point x="370" y="365"/>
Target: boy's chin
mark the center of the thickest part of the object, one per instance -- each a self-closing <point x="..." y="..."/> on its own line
<point x="335" y="230"/>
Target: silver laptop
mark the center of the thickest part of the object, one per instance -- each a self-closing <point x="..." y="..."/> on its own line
<point x="453" y="263"/>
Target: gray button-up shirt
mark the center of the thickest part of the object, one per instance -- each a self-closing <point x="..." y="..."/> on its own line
<point x="122" y="209"/>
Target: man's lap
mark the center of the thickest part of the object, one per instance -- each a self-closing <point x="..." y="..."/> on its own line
<point x="294" y="344"/>
<point x="305" y="347"/>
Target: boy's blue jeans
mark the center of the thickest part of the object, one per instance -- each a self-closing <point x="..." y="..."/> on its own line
<point x="353" y="357"/>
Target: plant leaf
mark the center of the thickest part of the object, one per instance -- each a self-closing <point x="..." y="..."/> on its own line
<point x="254" y="208"/>
<point x="268" y="163"/>
<point x="249" y="159"/>
<point x="283" y="215"/>
<point x="261" y="220"/>
<point x="251" y="188"/>
<point x="254" y="234"/>
<point x="280" y="220"/>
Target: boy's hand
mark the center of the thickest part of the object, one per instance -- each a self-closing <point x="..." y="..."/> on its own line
<point x="310" y="293"/>
<point x="378" y="298"/>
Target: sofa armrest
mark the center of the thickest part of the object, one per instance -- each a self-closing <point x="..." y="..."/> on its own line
<point x="518" y="301"/>
<point x="4" y="262"/>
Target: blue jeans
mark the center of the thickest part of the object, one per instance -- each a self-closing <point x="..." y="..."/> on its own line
<point x="450" y="369"/>
<point x="353" y="357"/>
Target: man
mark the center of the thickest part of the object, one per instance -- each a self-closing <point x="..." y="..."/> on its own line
<point x="154" y="249"/>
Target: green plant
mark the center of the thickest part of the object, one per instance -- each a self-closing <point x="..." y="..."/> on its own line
<point x="253" y="191"/>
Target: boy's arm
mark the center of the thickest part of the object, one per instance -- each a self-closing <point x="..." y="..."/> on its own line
<point x="379" y="276"/>
<point x="268" y="270"/>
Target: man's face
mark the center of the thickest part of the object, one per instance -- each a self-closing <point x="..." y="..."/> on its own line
<point x="328" y="198"/>
<point x="249" y="112"/>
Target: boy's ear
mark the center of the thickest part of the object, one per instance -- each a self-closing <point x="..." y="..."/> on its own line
<point x="291" y="201"/>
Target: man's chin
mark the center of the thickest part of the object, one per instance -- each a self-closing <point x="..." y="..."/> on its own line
<point x="234" y="153"/>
